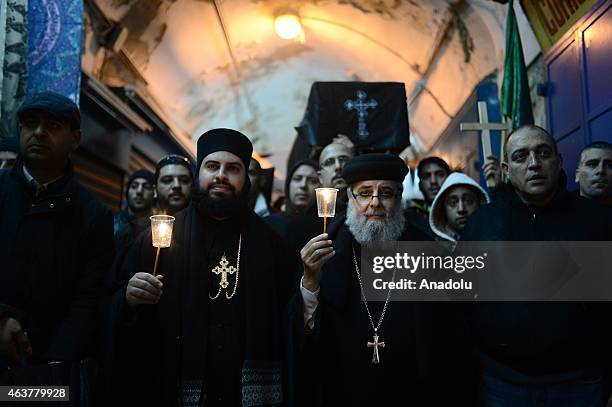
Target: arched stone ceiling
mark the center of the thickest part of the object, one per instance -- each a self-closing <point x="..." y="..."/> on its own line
<point x="180" y="49"/>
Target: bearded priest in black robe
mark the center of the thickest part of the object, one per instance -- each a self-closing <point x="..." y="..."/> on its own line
<point x="426" y="358"/>
<point x="206" y="329"/>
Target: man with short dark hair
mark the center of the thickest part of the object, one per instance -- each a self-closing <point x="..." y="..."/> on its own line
<point x="550" y="352"/>
<point x="594" y="172"/>
<point x="173" y="183"/>
<point x="432" y="171"/>
<point x="56" y="244"/>
<point x="212" y="313"/>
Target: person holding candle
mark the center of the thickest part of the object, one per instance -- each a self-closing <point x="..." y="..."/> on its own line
<point x="332" y="160"/>
<point x="212" y="313"/>
<point x="56" y="244"/>
<point x="348" y="350"/>
<point x="300" y="184"/>
<point x="131" y="221"/>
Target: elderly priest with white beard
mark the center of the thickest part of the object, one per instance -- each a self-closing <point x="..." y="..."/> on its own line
<point x="426" y="359"/>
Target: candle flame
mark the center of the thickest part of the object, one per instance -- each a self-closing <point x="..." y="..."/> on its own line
<point x="163" y="229"/>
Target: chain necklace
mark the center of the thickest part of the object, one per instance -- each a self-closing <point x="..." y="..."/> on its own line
<point x="224" y="270"/>
<point x="376" y="343"/>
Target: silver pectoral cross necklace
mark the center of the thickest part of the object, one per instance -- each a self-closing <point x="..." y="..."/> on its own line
<point x="375" y="345"/>
<point x="376" y="342"/>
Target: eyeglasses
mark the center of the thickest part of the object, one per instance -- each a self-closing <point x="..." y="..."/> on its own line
<point x="331" y="161"/>
<point x="365" y="197"/>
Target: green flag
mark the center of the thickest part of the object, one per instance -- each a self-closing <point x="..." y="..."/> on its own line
<point x="516" y="102"/>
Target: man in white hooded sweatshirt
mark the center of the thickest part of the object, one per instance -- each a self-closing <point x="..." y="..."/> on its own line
<point x="458" y="198"/>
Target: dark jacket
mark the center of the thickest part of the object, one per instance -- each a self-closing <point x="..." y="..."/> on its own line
<point x="54" y="248"/>
<point x="121" y="223"/>
<point x="532" y="341"/>
<point x="418" y="218"/>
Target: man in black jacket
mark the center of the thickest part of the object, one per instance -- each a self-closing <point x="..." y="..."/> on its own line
<point x="533" y="353"/>
<point x="56" y="243"/>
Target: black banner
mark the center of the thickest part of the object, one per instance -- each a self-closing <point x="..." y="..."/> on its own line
<point x="374" y="115"/>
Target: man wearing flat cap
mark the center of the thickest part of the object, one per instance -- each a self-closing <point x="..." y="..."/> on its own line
<point x="339" y="331"/>
<point x="206" y="329"/>
<point x="56" y="244"/>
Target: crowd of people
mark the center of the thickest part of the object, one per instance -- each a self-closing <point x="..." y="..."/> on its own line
<point x="251" y="306"/>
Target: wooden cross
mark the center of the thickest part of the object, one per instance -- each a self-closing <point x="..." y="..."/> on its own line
<point x="224" y="271"/>
<point x="376" y="345"/>
<point x="362" y="112"/>
<point x="485" y="132"/>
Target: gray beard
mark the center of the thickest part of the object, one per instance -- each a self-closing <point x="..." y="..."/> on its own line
<point x="366" y="232"/>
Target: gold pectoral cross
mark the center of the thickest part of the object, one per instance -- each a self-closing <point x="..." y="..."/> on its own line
<point x="375" y="345"/>
<point x="224" y="270"/>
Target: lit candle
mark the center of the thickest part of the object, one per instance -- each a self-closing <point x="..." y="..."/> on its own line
<point x="326" y="204"/>
<point x="161" y="234"/>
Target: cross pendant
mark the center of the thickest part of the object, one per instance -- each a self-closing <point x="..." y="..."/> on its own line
<point x="224" y="270"/>
<point x="375" y="345"/>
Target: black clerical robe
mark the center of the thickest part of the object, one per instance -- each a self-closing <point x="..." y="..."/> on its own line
<point x="192" y="348"/>
<point x="426" y="360"/>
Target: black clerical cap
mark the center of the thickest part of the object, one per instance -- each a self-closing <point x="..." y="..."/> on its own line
<point x="54" y="104"/>
<point x="224" y="140"/>
<point x="374" y="167"/>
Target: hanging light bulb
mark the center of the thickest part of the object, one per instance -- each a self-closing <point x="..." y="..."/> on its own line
<point x="287" y="26"/>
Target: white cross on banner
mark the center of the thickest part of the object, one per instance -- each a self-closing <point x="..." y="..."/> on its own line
<point x="361" y="106"/>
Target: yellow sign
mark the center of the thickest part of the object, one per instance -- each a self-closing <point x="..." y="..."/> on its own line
<point x="550" y="19"/>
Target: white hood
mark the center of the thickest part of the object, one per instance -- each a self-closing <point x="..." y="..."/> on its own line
<point x="437" y="217"/>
